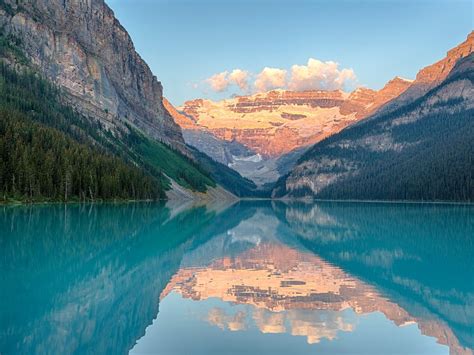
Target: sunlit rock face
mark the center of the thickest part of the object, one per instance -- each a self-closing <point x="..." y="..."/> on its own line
<point x="440" y="70"/>
<point x="430" y="76"/>
<point x="292" y="292"/>
<point x="83" y="48"/>
<point x="279" y="121"/>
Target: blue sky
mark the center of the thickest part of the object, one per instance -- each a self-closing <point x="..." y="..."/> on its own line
<point x="186" y="42"/>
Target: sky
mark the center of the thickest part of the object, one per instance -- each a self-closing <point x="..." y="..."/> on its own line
<point x="219" y="48"/>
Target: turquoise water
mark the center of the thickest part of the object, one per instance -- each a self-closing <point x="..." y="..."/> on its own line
<point x="249" y="278"/>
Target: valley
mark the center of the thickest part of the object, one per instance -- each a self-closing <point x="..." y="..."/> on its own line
<point x="278" y="143"/>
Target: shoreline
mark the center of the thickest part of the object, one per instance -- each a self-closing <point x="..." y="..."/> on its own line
<point x="239" y="199"/>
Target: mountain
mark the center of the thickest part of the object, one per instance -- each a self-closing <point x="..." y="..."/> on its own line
<point x="229" y="178"/>
<point x="81" y="47"/>
<point x="421" y="149"/>
<point x="262" y="136"/>
<point x="82" y="114"/>
<point x="279" y="121"/>
<point x="215" y="156"/>
<point x="40" y="161"/>
<point x="220" y="150"/>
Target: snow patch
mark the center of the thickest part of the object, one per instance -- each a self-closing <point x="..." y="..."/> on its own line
<point x="257" y="158"/>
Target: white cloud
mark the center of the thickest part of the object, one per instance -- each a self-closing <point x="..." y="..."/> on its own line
<point x="219" y="82"/>
<point x="240" y="78"/>
<point x="270" y="78"/>
<point x="319" y="75"/>
<point x="315" y="75"/>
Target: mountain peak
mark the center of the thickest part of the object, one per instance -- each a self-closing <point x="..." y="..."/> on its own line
<point x="399" y="78"/>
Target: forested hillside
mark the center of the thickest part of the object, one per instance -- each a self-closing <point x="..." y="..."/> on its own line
<point x="50" y="152"/>
<point x="440" y="168"/>
<point x="41" y="163"/>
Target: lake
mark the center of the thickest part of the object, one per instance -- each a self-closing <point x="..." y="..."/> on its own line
<point x="255" y="277"/>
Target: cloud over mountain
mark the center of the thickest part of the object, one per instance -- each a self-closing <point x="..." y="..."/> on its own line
<point x="270" y="78"/>
<point x="320" y="75"/>
<point x="314" y="75"/>
<point x="240" y="78"/>
<point x="221" y="81"/>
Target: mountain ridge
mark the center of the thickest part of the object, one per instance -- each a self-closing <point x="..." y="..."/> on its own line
<point x="428" y="77"/>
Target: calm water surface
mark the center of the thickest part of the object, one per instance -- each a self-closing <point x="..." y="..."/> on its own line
<point x="250" y="278"/>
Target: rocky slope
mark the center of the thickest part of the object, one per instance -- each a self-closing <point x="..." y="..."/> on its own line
<point x="279" y="121"/>
<point x="419" y="150"/>
<point x="220" y="150"/>
<point x="82" y="47"/>
<point x="245" y="161"/>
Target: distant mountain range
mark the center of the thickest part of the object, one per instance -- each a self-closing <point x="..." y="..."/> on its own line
<point x="278" y="123"/>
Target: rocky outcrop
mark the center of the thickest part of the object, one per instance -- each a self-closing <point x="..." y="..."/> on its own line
<point x="81" y="46"/>
<point x="184" y="121"/>
<point x="279" y="121"/>
<point x="438" y="71"/>
<point x="365" y="101"/>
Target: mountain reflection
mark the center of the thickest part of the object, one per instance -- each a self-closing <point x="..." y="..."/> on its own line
<point x="100" y="278"/>
<point x="367" y="258"/>
<point x="87" y="279"/>
<point x="286" y="287"/>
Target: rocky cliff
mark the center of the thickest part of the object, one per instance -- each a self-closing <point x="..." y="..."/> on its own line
<point x="81" y="46"/>
<point x="279" y="121"/>
<point x="218" y="149"/>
